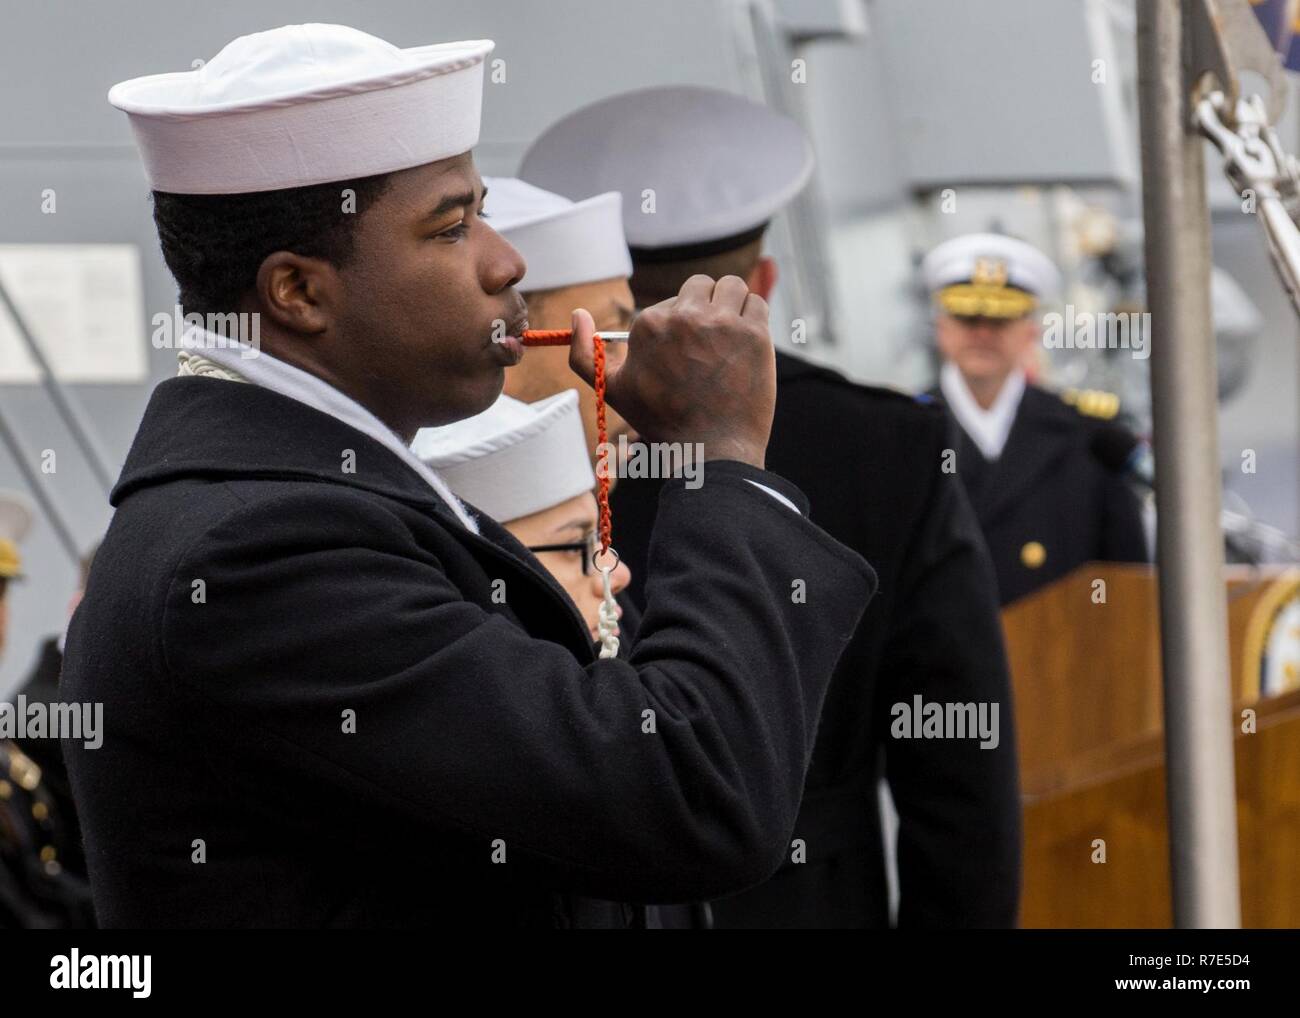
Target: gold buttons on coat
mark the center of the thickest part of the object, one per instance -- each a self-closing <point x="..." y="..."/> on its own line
<point x="1033" y="554"/>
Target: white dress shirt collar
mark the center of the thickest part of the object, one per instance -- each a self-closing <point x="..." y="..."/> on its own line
<point x="988" y="429"/>
<point x="287" y="380"/>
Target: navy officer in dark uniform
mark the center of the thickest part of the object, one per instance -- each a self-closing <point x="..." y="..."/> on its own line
<point x="1046" y="500"/>
<point x="701" y="173"/>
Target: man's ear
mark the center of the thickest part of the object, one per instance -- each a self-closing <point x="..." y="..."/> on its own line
<point x="297" y="292"/>
<point x="762" y="277"/>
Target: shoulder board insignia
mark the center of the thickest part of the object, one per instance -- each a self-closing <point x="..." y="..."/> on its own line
<point x="1092" y="402"/>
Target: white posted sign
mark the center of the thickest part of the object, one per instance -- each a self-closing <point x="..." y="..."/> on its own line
<point x="83" y="304"/>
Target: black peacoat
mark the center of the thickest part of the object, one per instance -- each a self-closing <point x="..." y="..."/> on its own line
<point x="870" y="460"/>
<point x="327" y="703"/>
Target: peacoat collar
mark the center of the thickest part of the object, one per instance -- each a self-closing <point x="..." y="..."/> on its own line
<point x="196" y="427"/>
<point x="206" y="427"/>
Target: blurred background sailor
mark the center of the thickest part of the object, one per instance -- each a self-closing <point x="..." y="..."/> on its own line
<point x="42" y="685"/>
<point x="720" y="168"/>
<point x="576" y="258"/>
<point x="42" y="868"/>
<point x="526" y="466"/>
<point x="1033" y="466"/>
<point x="15" y="521"/>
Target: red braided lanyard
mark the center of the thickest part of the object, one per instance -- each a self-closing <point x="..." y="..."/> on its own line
<point x="561" y="337"/>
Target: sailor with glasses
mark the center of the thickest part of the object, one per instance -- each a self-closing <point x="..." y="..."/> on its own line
<point x="526" y="465"/>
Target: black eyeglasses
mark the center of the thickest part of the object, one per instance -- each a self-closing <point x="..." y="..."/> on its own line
<point x="589" y="546"/>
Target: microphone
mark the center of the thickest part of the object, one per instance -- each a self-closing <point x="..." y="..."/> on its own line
<point x="1122" y="452"/>
<point x="1246" y="539"/>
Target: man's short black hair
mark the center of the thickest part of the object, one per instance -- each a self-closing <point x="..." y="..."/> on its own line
<point x="215" y="243"/>
<point x="662" y="274"/>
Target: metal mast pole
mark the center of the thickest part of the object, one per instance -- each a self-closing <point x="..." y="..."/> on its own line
<point x="1193" y="610"/>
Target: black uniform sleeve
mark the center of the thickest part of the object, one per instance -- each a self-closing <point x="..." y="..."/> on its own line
<point x="468" y="728"/>
<point x="959" y="838"/>
<point x="1123" y="537"/>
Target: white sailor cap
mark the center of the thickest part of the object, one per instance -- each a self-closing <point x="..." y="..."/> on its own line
<point x="304" y="104"/>
<point x="988" y="275"/>
<point x="514" y="459"/>
<point x="563" y="242"/>
<point x="700" y="170"/>
<point x="15" y="521"/>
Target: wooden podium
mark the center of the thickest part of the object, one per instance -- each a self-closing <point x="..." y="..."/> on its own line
<point x="1086" y="674"/>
